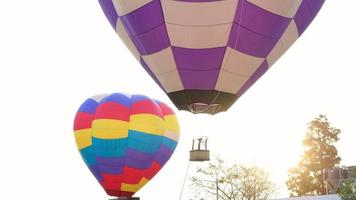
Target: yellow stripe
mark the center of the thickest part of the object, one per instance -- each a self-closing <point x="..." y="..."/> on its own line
<point x="83" y="138"/>
<point x="147" y="123"/>
<point x="110" y="129"/>
<point x="171" y="123"/>
<point x="133" y="187"/>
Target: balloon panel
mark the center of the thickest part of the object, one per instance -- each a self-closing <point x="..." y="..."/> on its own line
<point x="125" y="140"/>
<point x="206" y="53"/>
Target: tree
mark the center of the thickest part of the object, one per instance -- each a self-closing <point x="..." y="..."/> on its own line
<point x="348" y="191"/>
<point x="236" y="182"/>
<point x="320" y="153"/>
<point x="348" y="188"/>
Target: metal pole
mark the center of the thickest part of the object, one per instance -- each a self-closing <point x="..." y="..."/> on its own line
<point x="206" y="144"/>
<point x="199" y="143"/>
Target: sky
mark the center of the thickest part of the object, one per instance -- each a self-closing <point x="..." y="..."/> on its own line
<point x="55" y="54"/>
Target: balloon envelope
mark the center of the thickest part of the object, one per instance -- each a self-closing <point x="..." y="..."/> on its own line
<point x="206" y="53"/>
<point x="125" y="140"/>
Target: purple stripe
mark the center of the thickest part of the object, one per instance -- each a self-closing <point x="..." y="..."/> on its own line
<point x="198" y="0"/>
<point x="143" y="19"/>
<point x="138" y="159"/>
<point x="198" y="59"/>
<point x="250" y="42"/>
<point x="199" y="68"/>
<point x="260" y="21"/>
<point x="199" y="80"/>
<point x="163" y="155"/>
<point x="96" y="172"/>
<point x="306" y="13"/>
<point x="134" y="154"/>
<point x="109" y="11"/>
<point x="118" y="161"/>
<point x="256" y="31"/>
<point x="133" y="158"/>
<point x="152" y="41"/>
<point x="110" y="169"/>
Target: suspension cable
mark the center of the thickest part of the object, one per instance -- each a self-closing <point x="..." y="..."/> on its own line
<point x="185" y="178"/>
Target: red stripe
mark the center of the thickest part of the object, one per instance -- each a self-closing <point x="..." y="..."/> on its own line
<point x="112" y="110"/>
<point x="129" y="176"/>
<point x="166" y="110"/>
<point x="111" y="184"/>
<point x="132" y="175"/>
<point x="112" y="179"/>
<point x="146" y="107"/>
<point x="118" y="193"/>
<point x="153" y="170"/>
<point x="82" y="120"/>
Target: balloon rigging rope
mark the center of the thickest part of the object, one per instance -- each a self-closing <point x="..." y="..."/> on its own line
<point x="185" y="179"/>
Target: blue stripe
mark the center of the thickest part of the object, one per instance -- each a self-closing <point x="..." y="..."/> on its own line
<point x="89" y="106"/>
<point x="157" y="101"/>
<point x="108" y="153"/>
<point x="143" y="147"/>
<point x="145" y="137"/>
<point x="88" y="155"/>
<point x="118" y="98"/>
<point x="171" y="144"/>
<point x="137" y="97"/>
<point x="109" y="143"/>
<point x="109" y="148"/>
<point x="144" y="142"/>
<point x="136" y="140"/>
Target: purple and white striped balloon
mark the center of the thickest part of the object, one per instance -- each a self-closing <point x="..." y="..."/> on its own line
<point x="206" y="53"/>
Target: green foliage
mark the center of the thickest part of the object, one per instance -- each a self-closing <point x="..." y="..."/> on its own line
<point x="348" y="189"/>
<point x="319" y="154"/>
<point x="353" y="174"/>
<point x="235" y="182"/>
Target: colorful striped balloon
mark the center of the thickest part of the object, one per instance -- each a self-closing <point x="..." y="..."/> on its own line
<point x="125" y="140"/>
<point x="205" y="54"/>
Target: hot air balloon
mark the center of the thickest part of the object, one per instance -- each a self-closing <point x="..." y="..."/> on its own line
<point x="125" y="140"/>
<point x="205" y="54"/>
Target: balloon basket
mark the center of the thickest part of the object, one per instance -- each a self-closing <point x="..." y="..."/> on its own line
<point x="126" y="198"/>
<point x="200" y="152"/>
<point x="199" y="156"/>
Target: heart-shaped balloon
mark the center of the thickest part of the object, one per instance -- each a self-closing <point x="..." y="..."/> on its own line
<point x="206" y="53"/>
<point x="125" y="140"/>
